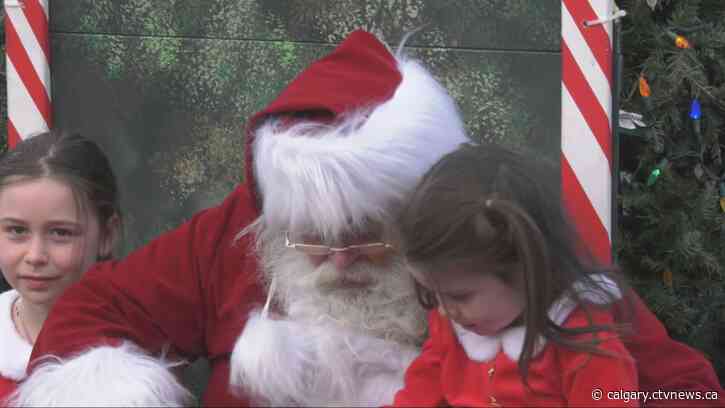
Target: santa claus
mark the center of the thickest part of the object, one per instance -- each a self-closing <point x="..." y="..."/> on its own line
<point x="349" y="320"/>
<point x="291" y="287"/>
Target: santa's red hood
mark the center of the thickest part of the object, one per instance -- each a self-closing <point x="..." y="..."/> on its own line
<point x="360" y="72"/>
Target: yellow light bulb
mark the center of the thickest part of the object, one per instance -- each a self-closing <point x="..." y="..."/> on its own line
<point x="681" y="42"/>
<point x="667" y="277"/>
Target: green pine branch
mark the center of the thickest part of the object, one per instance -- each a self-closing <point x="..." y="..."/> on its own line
<point x="674" y="227"/>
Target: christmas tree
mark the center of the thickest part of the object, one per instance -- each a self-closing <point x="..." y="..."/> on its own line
<point x="671" y="229"/>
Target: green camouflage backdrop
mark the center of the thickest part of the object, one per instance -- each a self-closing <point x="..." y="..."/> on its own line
<point x="165" y="86"/>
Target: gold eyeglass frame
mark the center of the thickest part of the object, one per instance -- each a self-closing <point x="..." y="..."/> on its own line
<point x="328" y="250"/>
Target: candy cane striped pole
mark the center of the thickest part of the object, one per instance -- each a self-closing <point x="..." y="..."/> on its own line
<point x="28" y="68"/>
<point x="586" y="106"/>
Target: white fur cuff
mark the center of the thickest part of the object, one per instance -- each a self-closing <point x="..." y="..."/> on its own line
<point x="103" y="376"/>
<point x="266" y="349"/>
<point x="289" y="363"/>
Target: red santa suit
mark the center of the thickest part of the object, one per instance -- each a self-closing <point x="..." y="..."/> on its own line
<point x="14" y="350"/>
<point x="461" y="368"/>
<point x="190" y="292"/>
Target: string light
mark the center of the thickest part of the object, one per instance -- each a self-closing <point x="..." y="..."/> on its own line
<point x="680" y="40"/>
<point x="695" y="115"/>
<point x="656" y="172"/>
<point x="644" y="88"/>
<point x="695" y="111"/>
<point x="667" y="277"/>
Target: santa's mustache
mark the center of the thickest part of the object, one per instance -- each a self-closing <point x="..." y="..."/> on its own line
<point x="328" y="278"/>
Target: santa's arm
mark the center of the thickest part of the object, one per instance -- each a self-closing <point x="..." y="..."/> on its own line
<point x="604" y="378"/>
<point x="112" y="337"/>
<point x="665" y="364"/>
<point x="423" y="379"/>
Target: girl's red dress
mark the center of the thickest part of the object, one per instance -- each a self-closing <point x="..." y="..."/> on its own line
<point x="447" y="373"/>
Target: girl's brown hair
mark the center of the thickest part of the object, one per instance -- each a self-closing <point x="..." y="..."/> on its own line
<point x="72" y="159"/>
<point x="483" y="201"/>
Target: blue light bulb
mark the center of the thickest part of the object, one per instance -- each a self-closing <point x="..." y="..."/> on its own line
<point x="695" y="112"/>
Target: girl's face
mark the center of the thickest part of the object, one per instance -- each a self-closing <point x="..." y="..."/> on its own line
<point x="476" y="299"/>
<point x="44" y="245"/>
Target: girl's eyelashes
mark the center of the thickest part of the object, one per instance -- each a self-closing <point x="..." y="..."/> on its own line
<point x="458" y="297"/>
<point x="15" y="231"/>
<point x="64" y="233"/>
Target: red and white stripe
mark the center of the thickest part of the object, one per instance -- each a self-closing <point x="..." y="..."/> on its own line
<point x="586" y="132"/>
<point x="28" y="68"/>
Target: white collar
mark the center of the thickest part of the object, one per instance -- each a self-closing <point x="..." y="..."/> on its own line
<point x="484" y="348"/>
<point x="15" y="350"/>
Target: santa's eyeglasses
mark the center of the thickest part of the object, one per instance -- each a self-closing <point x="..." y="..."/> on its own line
<point x="371" y="249"/>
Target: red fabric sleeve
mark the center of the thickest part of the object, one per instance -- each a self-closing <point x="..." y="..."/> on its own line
<point x="7" y="386"/>
<point x="665" y="364"/>
<point x="423" y="382"/>
<point x="590" y="379"/>
<point x="170" y="292"/>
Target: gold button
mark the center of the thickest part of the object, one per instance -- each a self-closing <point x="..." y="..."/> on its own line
<point x="493" y="402"/>
<point x="490" y="372"/>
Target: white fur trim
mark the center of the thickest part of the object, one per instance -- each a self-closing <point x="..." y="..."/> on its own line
<point x="561" y="309"/>
<point x="478" y="348"/>
<point x="103" y="376"/>
<point x="512" y="342"/>
<point x="484" y="348"/>
<point x="286" y="363"/>
<point x="326" y="178"/>
<point x="15" y="352"/>
<point x="597" y="297"/>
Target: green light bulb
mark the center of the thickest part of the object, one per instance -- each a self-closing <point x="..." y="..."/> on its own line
<point x="653" y="176"/>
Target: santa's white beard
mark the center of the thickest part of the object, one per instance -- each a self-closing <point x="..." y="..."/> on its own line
<point x="342" y="339"/>
<point x="377" y="299"/>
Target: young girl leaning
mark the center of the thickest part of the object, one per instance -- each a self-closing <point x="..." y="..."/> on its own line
<point x="519" y="314"/>
<point x="59" y="214"/>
